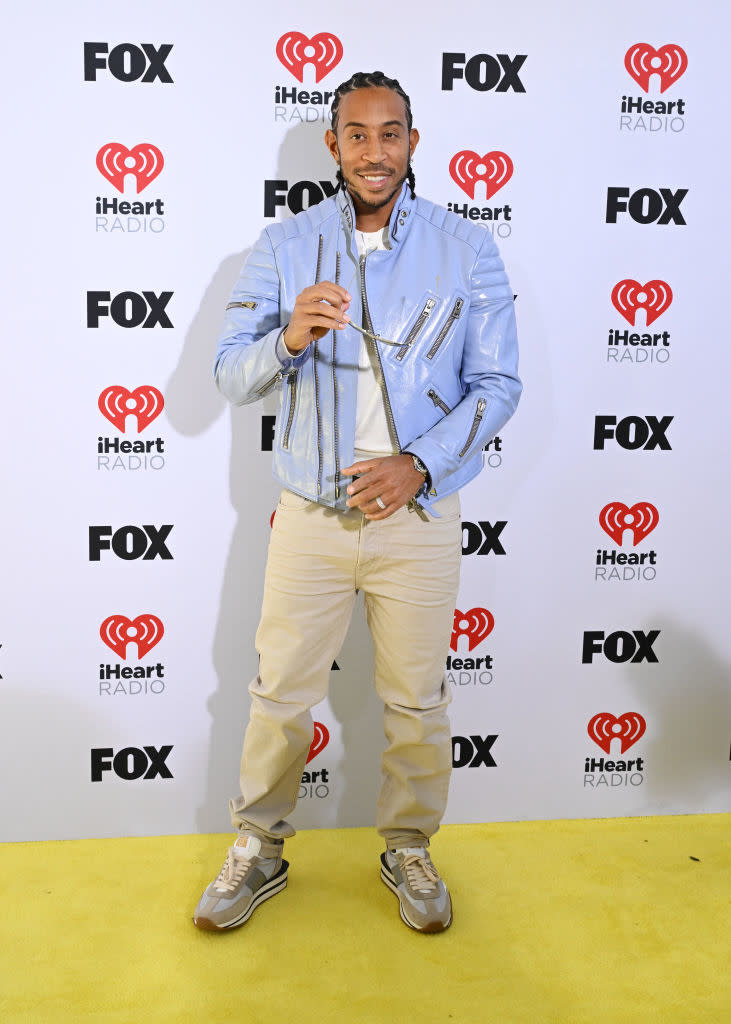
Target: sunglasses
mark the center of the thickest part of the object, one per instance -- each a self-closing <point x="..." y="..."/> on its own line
<point x="374" y="337"/>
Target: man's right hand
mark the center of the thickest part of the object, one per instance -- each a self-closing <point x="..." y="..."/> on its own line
<point x="318" y="309"/>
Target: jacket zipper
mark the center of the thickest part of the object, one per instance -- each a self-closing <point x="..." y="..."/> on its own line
<point x="292" y="385"/>
<point x="369" y="341"/>
<point x="481" y="403"/>
<point x="242" y="305"/>
<point x="266" y="388"/>
<point x="454" y="315"/>
<point x="319" y="260"/>
<point x="431" y="393"/>
<point x="416" y="329"/>
<point x="413" y="505"/>
<point x="316" y="355"/>
<point x="335" y="392"/>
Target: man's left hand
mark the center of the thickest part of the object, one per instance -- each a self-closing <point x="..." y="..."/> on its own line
<point x="393" y="479"/>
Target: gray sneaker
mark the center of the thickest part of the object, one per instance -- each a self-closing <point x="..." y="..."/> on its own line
<point x="252" y="872"/>
<point x="423" y="896"/>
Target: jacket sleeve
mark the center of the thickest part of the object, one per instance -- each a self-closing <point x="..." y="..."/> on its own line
<point x="251" y="356"/>
<point x="489" y="372"/>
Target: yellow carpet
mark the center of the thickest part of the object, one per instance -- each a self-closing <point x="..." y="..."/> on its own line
<point x="579" y="922"/>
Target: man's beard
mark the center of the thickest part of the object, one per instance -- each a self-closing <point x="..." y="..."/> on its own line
<point x="376" y="204"/>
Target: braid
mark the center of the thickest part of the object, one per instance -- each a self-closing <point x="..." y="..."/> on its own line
<point x="371" y="80"/>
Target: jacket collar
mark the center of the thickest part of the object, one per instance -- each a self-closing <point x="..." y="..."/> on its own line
<point x="398" y="222"/>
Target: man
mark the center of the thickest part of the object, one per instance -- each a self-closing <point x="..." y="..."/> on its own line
<point x="389" y="324"/>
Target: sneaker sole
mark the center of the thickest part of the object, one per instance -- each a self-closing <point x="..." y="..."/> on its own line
<point x="275" y="884"/>
<point x="390" y="881"/>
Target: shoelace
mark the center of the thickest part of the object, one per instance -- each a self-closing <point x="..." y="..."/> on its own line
<point x="233" y="870"/>
<point x="420" y="874"/>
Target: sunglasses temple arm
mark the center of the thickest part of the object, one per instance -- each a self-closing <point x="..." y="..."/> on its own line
<point x="375" y="337"/>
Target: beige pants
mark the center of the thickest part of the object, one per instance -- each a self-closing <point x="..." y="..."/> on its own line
<point x="408" y="570"/>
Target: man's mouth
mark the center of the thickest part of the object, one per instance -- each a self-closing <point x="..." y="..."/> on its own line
<point x="375" y="180"/>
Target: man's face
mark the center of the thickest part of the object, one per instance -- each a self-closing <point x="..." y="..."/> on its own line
<point x="373" y="146"/>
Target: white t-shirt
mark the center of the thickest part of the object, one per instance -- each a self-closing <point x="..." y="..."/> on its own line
<point x="371" y="426"/>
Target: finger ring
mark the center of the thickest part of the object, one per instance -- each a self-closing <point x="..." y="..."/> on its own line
<point x="379" y="502"/>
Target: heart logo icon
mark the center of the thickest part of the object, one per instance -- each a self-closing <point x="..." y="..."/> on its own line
<point x="476" y="624"/>
<point x="320" y="741"/>
<point x="144" y="161"/>
<point x="324" y="51"/>
<point x="641" y="519"/>
<point x="654" y="297"/>
<point x="117" y="631"/>
<point x="468" y="167"/>
<point x="629" y="727"/>
<point x="669" y="62"/>
<point x="117" y="403"/>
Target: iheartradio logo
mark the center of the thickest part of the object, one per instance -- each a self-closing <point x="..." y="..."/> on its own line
<point x="468" y="167"/>
<point x="641" y="519"/>
<point x="320" y="741"/>
<point x="144" y="161"/>
<point x="117" y="631"/>
<point x="324" y="51"/>
<point x="668" y="63"/>
<point x="476" y="625"/>
<point x="628" y="728"/>
<point x="654" y="297"/>
<point x="117" y="403"/>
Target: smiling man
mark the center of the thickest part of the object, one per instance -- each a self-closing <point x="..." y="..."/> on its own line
<point x="388" y="324"/>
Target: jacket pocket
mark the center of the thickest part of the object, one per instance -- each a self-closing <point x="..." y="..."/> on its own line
<point x="438" y="401"/>
<point x="455" y="314"/>
<point x="417" y="327"/>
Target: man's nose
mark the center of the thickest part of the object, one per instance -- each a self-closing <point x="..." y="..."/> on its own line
<point x="374" y="152"/>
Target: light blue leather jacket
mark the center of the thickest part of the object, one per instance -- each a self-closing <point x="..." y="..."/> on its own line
<point x="440" y="292"/>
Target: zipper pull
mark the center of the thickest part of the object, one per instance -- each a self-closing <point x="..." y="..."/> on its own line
<point x="414" y="506"/>
<point x="266" y="388"/>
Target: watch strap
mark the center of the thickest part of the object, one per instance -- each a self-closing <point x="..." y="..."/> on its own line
<point x="421" y="468"/>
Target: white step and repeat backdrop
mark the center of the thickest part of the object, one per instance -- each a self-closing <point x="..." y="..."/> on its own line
<point x="146" y="146"/>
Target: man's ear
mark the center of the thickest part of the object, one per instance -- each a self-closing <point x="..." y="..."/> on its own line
<point x="332" y="144"/>
<point x="413" y="141"/>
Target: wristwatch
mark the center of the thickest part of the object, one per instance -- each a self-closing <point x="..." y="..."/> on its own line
<point x="420" y="468"/>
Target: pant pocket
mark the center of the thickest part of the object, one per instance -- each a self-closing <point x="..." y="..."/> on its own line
<point x="448" y="508"/>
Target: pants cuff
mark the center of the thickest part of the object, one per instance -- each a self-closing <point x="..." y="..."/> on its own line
<point x="407" y="837"/>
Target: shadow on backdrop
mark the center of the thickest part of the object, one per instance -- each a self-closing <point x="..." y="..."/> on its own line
<point x="688" y="701"/>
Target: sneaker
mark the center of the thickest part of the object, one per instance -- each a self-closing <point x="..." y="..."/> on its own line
<point x="423" y="896"/>
<point x="252" y="872"/>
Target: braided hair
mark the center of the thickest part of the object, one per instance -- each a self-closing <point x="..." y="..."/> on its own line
<point x="371" y="80"/>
